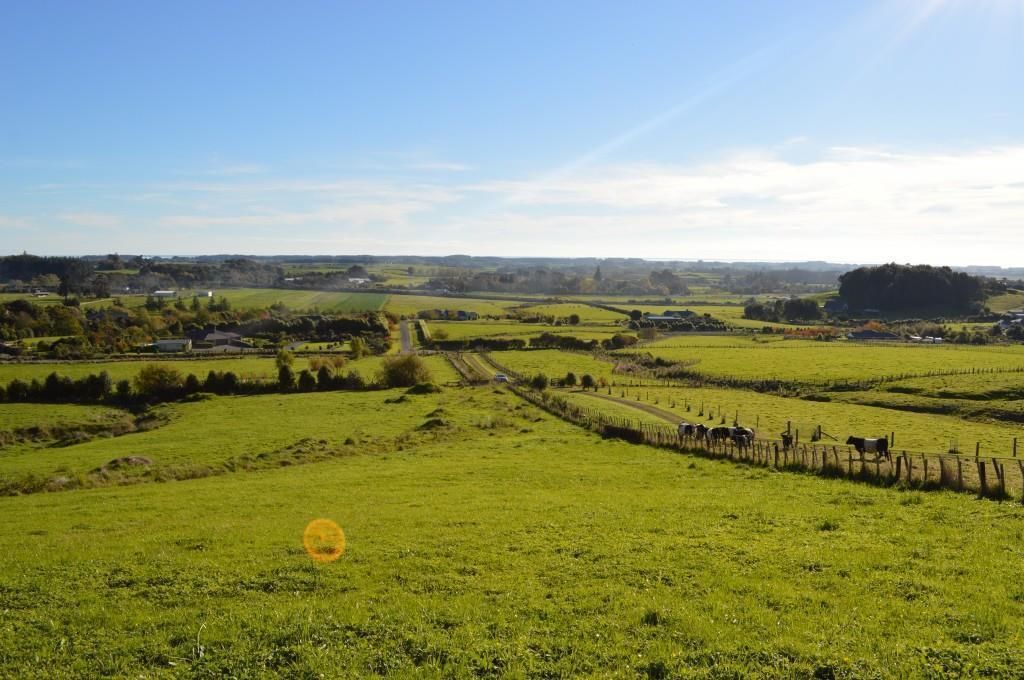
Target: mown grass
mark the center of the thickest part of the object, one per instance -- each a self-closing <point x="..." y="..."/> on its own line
<point x="519" y="547"/>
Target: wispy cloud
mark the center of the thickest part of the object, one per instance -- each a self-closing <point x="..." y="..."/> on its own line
<point x="92" y="220"/>
<point x="440" y="166"/>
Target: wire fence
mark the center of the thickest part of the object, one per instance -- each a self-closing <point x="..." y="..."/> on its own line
<point x="987" y="476"/>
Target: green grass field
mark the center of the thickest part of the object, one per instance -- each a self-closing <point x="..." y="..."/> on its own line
<point x="464" y="330"/>
<point x="587" y="314"/>
<point x="20" y="416"/>
<point x="553" y="363"/>
<point x="410" y="305"/>
<point x="841" y="360"/>
<point x="497" y="546"/>
<point x="769" y="414"/>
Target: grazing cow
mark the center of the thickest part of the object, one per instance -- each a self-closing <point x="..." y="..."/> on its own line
<point x="701" y="431"/>
<point x="720" y="433"/>
<point x="687" y="429"/>
<point x="879" y="447"/>
<point x="742" y="436"/>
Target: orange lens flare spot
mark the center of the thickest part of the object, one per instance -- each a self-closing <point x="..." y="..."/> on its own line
<point x="323" y="540"/>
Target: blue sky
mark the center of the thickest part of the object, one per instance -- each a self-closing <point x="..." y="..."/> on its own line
<point x="847" y="131"/>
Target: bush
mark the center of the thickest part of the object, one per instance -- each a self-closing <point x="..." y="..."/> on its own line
<point x="154" y="380"/>
<point x="570" y="379"/>
<point x="587" y="381"/>
<point x="539" y="382"/>
<point x="404" y="371"/>
<point x="307" y="382"/>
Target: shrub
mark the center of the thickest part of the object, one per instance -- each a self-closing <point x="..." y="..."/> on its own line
<point x="404" y="371"/>
<point x="154" y="380"/>
<point x="587" y="381"/>
<point x="539" y="382"/>
<point x="307" y="382"/>
<point x="569" y="379"/>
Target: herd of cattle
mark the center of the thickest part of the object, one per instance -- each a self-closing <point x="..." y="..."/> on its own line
<point x="744" y="436"/>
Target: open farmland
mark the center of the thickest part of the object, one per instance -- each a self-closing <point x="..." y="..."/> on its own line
<point x="519" y="546"/>
<point x="553" y="363"/>
<point x="769" y="415"/>
<point x="465" y="330"/>
<point x="806" y="360"/>
<point x="587" y="313"/>
<point x="410" y="305"/>
<point x="338" y="302"/>
<point x="49" y="416"/>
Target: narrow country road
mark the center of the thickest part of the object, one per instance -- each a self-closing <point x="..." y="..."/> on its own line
<point x="405" y="337"/>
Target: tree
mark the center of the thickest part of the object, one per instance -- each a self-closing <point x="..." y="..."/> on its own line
<point x="192" y="384"/>
<point x="574" y="319"/>
<point x="285" y="378"/>
<point x="284" y="359"/>
<point x="155" y="380"/>
<point x="358" y="346"/>
<point x="539" y="382"/>
<point x="324" y="378"/>
<point x="307" y="381"/>
<point x="569" y="379"/>
<point x="404" y="371"/>
<point x="636" y="314"/>
<point x="587" y="382"/>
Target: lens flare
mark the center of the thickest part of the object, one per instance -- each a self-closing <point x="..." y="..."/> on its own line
<point x="323" y="540"/>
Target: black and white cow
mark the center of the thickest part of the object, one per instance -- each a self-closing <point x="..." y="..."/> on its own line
<point x="879" y="447"/>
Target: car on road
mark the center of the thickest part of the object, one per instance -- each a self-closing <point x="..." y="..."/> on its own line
<point x="500" y="377"/>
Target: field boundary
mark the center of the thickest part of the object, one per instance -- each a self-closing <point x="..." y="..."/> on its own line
<point x="907" y="469"/>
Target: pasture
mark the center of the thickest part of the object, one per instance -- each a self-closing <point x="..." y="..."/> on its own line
<point x="410" y="305"/>
<point x="587" y="313"/>
<point x="769" y="415"/>
<point x="807" y="360"/>
<point x="465" y="330"/>
<point x="515" y="545"/>
<point x="51" y="416"/>
<point x="553" y="363"/>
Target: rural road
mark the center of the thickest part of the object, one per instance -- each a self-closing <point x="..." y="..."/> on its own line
<point x="405" y="337"/>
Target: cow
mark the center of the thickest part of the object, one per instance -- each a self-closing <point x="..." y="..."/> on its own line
<point x="742" y="436"/>
<point x="719" y="433"/>
<point x="879" y="447"/>
<point x="701" y="431"/>
<point x="687" y="429"/>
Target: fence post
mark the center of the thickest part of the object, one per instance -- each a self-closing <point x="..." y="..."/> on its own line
<point x="983" y="490"/>
<point x="960" y="474"/>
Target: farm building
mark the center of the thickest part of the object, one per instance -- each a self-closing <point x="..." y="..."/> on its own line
<point x="216" y="338"/>
<point x="165" y="293"/>
<point x="173" y="345"/>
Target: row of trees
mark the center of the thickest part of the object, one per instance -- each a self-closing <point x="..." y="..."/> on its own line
<point x="796" y="309"/>
<point x="159" y="382"/>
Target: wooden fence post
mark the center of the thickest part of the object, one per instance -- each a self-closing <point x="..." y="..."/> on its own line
<point x="983" y="490"/>
<point x="959" y="474"/>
